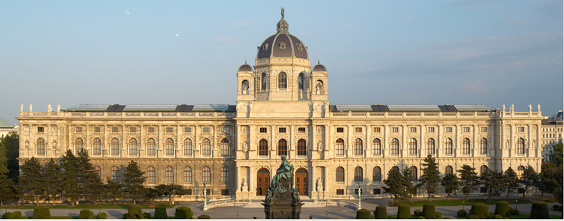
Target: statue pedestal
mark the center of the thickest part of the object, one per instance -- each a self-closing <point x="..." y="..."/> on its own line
<point x="283" y="206"/>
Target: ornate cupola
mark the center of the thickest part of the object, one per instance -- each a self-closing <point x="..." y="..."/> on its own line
<point x="282" y="25"/>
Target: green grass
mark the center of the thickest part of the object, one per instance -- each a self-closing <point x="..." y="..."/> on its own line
<point x="458" y="202"/>
<point x="89" y="206"/>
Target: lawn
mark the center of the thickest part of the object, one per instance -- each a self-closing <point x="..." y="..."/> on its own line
<point x="458" y="202"/>
<point x="89" y="206"/>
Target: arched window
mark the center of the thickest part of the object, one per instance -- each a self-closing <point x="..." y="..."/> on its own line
<point x="520" y="146"/>
<point x="394" y="146"/>
<point x="169" y="174"/>
<point x="206" y="147"/>
<point x="302" y="149"/>
<point x="282" y="147"/>
<point x="40" y="146"/>
<point x="413" y="173"/>
<point x="187" y="175"/>
<point x="151" y="147"/>
<point x="340" y="174"/>
<point x="115" y="146"/>
<point x="224" y="174"/>
<point x="413" y="146"/>
<point x="448" y="146"/>
<point x="169" y="146"/>
<point x="448" y="170"/>
<point x="377" y="174"/>
<point x="520" y="171"/>
<point x="206" y="174"/>
<point x="98" y="171"/>
<point x="224" y="147"/>
<point x="263" y="147"/>
<point x="151" y="175"/>
<point x="263" y="82"/>
<point x="319" y="87"/>
<point x="282" y="81"/>
<point x="245" y="87"/>
<point x="466" y="146"/>
<point x="78" y="145"/>
<point x="484" y="146"/>
<point x="431" y="146"/>
<point x="358" y="174"/>
<point x="358" y="146"/>
<point x="376" y="147"/>
<point x="301" y="82"/>
<point x="395" y="168"/>
<point x="97" y="147"/>
<point x="340" y="147"/>
<point x="483" y="169"/>
<point x="187" y="147"/>
<point x="115" y="174"/>
<point x="133" y="147"/>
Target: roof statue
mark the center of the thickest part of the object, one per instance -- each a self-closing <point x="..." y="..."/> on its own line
<point x="282" y="12"/>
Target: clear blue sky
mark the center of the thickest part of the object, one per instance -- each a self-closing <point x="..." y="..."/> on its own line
<point x="376" y="52"/>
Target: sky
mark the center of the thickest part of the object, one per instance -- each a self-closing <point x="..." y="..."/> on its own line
<point x="188" y="52"/>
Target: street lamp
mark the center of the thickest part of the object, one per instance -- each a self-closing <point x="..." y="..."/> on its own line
<point x="205" y="195"/>
<point x="99" y="208"/>
<point x="516" y="204"/>
<point x="359" y="195"/>
<point x="463" y="205"/>
<point x="326" y="214"/>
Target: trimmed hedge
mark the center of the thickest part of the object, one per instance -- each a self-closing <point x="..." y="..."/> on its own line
<point x="439" y="215"/>
<point x="417" y="212"/>
<point x="363" y="214"/>
<point x="204" y="217"/>
<point x="429" y="211"/>
<point x="134" y="212"/>
<point x="160" y="212"/>
<point x="473" y="217"/>
<point x="85" y="213"/>
<point x="125" y="215"/>
<point x="556" y="206"/>
<point x="183" y="212"/>
<point x="539" y="210"/>
<point x="502" y="209"/>
<point x="446" y="217"/>
<point x="41" y="212"/>
<point x="17" y="214"/>
<point x="421" y="217"/>
<point x="404" y="212"/>
<point x="381" y="212"/>
<point x="480" y="210"/>
<point x="514" y="212"/>
<point x="146" y="215"/>
<point x="101" y="215"/>
<point x="8" y="215"/>
<point x="461" y="213"/>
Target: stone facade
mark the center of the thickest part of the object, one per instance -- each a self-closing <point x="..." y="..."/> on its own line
<point x="282" y="108"/>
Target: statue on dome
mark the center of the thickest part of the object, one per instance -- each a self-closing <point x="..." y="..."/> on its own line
<point x="282" y="12"/>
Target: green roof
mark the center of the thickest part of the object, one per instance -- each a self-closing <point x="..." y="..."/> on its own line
<point x="3" y="123"/>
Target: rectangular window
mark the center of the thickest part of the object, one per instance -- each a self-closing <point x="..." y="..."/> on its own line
<point x="263" y="130"/>
<point x="115" y="129"/>
<point x="358" y="129"/>
<point x="431" y="129"/>
<point x="413" y="129"/>
<point x="151" y="129"/>
<point x="96" y="129"/>
<point x="225" y="192"/>
<point x="448" y="129"/>
<point x="208" y="192"/>
<point x="78" y="129"/>
<point x="169" y="129"/>
<point x="395" y="129"/>
<point x="521" y="129"/>
<point x="282" y="130"/>
<point x="520" y="190"/>
<point x="187" y="129"/>
<point x="484" y="129"/>
<point x="340" y="192"/>
<point x="483" y="189"/>
<point x="376" y="191"/>
<point x="340" y="130"/>
<point x="356" y="191"/>
<point x="205" y="129"/>
<point x="376" y="129"/>
<point x="466" y="129"/>
<point x="189" y="192"/>
<point x="301" y="130"/>
<point x="40" y="129"/>
<point x="132" y="129"/>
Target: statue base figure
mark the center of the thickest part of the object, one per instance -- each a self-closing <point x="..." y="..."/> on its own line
<point x="283" y="205"/>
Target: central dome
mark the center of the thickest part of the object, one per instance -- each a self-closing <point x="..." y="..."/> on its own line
<point x="282" y="44"/>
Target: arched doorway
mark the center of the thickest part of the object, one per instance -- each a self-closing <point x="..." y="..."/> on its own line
<point x="263" y="181"/>
<point x="301" y="181"/>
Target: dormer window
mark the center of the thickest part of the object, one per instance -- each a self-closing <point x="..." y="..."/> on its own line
<point x="300" y="46"/>
<point x="265" y="47"/>
<point x="282" y="46"/>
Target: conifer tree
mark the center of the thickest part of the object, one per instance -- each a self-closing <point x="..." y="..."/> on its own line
<point x="468" y="179"/>
<point x="493" y="181"/>
<point x="52" y="179"/>
<point x="89" y="182"/>
<point x="395" y="185"/>
<point x="511" y="181"/>
<point x="451" y="184"/>
<point x="430" y="177"/>
<point x="170" y="190"/>
<point x="31" y="184"/>
<point x="10" y="144"/>
<point x="547" y="181"/>
<point x="69" y="178"/>
<point x="113" y="190"/>
<point x="407" y="184"/>
<point x="7" y="191"/>
<point x="133" y="180"/>
<point x="529" y="178"/>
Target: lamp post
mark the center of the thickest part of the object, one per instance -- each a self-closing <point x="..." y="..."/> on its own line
<point x="463" y="205"/>
<point x="326" y="215"/>
<point x="516" y="204"/>
<point x="359" y="196"/>
<point x="205" y="195"/>
<point x="99" y="208"/>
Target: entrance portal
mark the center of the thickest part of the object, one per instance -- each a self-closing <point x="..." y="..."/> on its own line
<point x="301" y="181"/>
<point x="263" y="181"/>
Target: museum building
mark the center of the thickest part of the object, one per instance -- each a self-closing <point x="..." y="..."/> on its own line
<point x="282" y="108"/>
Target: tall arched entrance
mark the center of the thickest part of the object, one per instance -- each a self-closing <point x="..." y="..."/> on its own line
<point x="263" y="181"/>
<point x="301" y="181"/>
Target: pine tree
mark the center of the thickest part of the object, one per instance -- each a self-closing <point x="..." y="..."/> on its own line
<point x="511" y="181"/>
<point x="89" y="182"/>
<point x="451" y="184"/>
<point x="52" y="179"/>
<point x="113" y="190"/>
<point x="493" y="181"/>
<point x="557" y="154"/>
<point x="468" y="179"/>
<point x="407" y="184"/>
<point x="529" y="178"/>
<point x="69" y="178"/>
<point x="10" y="144"/>
<point x="170" y="190"/>
<point x="133" y="180"/>
<point x="31" y="184"/>
<point x="430" y="177"/>
<point x="7" y="191"/>
<point x="395" y="185"/>
<point x="547" y="181"/>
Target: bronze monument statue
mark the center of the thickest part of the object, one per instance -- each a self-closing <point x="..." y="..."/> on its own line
<point x="282" y="200"/>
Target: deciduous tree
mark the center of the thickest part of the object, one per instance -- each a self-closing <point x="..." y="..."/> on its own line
<point x="468" y="179"/>
<point x="170" y="190"/>
<point x="547" y="178"/>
